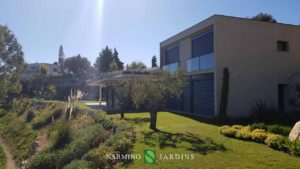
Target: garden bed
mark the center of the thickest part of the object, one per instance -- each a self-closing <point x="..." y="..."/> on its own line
<point x="274" y="136"/>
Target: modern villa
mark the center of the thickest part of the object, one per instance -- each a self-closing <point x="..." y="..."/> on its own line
<point x="263" y="60"/>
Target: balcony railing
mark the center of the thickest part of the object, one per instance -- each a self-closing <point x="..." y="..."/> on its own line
<point x="170" y="67"/>
<point x="203" y="62"/>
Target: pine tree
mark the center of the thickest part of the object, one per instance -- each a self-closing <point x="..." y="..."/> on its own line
<point x="117" y="59"/>
<point x="154" y="61"/>
<point x="104" y="60"/>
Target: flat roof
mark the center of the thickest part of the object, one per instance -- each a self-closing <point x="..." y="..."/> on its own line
<point x="188" y="31"/>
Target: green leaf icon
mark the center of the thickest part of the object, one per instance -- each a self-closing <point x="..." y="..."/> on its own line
<point x="150" y="156"/>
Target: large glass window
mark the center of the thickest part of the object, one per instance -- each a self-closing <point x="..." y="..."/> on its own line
<point x="172" y="55"/>
<point x="203" y="44"/>
<point x="202" y="52"/>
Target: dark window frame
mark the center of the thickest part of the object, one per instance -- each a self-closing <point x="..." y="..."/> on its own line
<point x="201" y="35"/>
<point x="282" y="46"/>
<point x="169" y="48"/>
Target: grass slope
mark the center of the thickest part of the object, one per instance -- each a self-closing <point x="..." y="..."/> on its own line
<point x="212" y="150"/>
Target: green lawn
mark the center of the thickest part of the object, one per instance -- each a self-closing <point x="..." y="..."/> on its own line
<point x="181" y="135"/>
<point x="2" y="159"/>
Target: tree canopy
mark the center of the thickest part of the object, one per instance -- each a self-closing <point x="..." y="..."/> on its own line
<point x="154" y="61"/>
<point x="77" y="65"/>
<point x="264" y="17"/>
<point x="136" y="65"/>
<point x="106" y="57"/>
<point x="44" y="69"/>
<point x="149" y="94"/>
<point x="117" y="60"/>
<point x="11" y="63"/>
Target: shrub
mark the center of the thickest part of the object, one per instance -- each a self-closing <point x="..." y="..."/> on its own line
<point x="63" y="135"/>
<point x="228" y="131"/>
<point x="107" y="124"/>
<point x="123" y="145"/>
<point x="259" y="135"/>
<point x="244" y="133"/>
<point x="79" y="164"/>
<point x="20" y="105"/>
<point x="99" y="157"/>
<point x="259" y="126"/>
<point x="75" y="150"/>
<point x="2" y="158"/>
<point x="18" y="135"/>
<point x="293" y="147"/>
<point x="262" y="111"/>
<point x="276" y="129"/>
<point x="46" y="119"/>
<point x="80" y="146"/>
<point x="274" y="141"/>
<point x="44" y="160"/>
<point x="30" y="115"/>
<point x="224" y="92"/>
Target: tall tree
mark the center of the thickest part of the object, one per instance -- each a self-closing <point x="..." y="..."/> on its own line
<point x="264" y="17"/>
<point x="136" y="65"/>
<point x="154" y="61"/>
<point x="61" y="57"/>
<point x="117" y="60"/>
<point x="11" y="64"/>
<point x="152" y="94"/>
<point x="104" y="60"/>
<point x="77" y="65"/>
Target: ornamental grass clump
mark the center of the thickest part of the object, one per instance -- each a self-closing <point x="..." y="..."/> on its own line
<point x="72" y="101"/>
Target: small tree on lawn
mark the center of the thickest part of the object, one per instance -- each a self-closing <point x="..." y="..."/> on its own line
<point x="152" y="94"/>
<point x="123" y="92"/>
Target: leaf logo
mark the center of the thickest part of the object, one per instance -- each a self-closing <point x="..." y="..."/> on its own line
<point x="149" y="156"/>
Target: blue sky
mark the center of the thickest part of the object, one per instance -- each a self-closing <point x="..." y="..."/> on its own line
<point x="134" y="27"/>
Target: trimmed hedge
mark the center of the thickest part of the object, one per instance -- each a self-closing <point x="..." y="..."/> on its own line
<point x="275" y="141"/>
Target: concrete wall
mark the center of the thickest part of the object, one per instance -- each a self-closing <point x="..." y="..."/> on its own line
<point x="249" y="49"/>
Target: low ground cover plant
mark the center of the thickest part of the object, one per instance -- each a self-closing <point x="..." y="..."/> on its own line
<point x="85" y="145"/>
<point x="46" y="116"/>
<point x="263" y="134"/>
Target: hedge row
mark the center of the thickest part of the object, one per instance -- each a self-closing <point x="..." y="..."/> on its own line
<point x="274" y="141"/>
